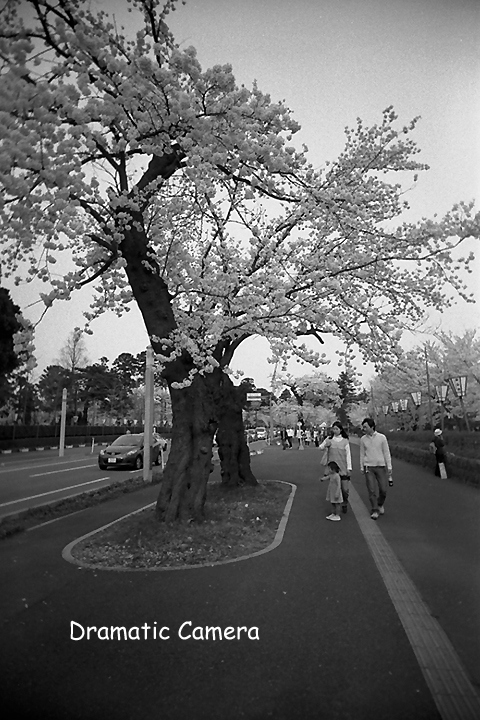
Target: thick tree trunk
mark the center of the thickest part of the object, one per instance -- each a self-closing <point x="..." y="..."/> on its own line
<point x="184" y="485"/>
<point x="232" y="447"/>
<point x="195" y="408"/>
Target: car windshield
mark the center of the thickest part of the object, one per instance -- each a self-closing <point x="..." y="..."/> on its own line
<point x="128" y="440"/>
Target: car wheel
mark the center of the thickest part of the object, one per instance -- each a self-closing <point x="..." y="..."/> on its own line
<point x="157" y="460"/>
<point x="139" y="463"/>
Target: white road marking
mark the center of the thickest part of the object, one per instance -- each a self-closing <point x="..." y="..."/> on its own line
<point x="62" y="517"/>
<point x="29" y="467"/>
<point x="53" y="472"/>
<point x="452" y="691"/>
<point x="51" y="492"/>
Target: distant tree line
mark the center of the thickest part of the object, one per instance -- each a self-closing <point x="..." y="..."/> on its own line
<point x="104" y="391"/>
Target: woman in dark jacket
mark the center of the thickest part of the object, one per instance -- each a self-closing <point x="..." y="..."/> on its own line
<point x="439" y="443"/>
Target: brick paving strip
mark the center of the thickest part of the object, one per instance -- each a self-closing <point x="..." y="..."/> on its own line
<point x="451" y="689"/>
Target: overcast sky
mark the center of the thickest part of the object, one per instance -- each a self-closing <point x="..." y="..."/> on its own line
<point x="331" y="61"/>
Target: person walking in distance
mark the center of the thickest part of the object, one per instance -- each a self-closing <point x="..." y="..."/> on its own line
<point x="439" y="444"/>
<point x="290" y="437"/>
<point x="334" y="490"/>
<point x="339" y="451"/>
<point x="376" y="463"/>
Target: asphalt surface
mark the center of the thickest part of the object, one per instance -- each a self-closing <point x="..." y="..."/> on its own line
<point x="331" y="644"/>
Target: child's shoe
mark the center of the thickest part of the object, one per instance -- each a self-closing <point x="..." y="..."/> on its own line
<point x="333" y="517"/>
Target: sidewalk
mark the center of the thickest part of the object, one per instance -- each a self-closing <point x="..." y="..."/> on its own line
<point x="331" y="643"/>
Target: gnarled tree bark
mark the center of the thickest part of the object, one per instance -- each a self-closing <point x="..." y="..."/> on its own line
<point x="184" y="486"/>
<point x="233" y="450"/>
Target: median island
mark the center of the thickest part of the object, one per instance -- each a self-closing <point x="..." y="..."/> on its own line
<point x="238" y="522"/>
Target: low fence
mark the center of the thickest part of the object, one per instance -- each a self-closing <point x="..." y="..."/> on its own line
<point x="30" y="437"/>
<point x="413" y="447"/>
<point x="464" y="444"/>
<point x="462" y="451"/>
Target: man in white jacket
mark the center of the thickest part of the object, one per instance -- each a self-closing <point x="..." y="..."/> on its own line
<point x="376" y="463"/>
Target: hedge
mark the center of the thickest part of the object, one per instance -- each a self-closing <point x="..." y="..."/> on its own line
<point x="465" y="444"/>
<point x="463" y="468"/>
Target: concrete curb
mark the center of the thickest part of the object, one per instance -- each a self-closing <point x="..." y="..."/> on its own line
<point x="67" y="550"/>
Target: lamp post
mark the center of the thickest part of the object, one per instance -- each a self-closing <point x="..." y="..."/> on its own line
<point x="417" y="398"/>
<point x="403" y="407"/>
<point x="459" y="388"/>
<point x="385" y="412"/>
<point x="441" y="392"/>
<point x="395" y="407"/>
<point x="417" y="401"/>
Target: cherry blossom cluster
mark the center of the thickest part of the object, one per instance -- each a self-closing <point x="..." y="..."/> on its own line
<point x="169" y="186"/>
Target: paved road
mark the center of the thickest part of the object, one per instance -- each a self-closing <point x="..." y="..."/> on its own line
<point x="34" y="478"/>
<point x="331" y="643"/>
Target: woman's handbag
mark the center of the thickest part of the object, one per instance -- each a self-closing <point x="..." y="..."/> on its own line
<point x="324" y="458"/>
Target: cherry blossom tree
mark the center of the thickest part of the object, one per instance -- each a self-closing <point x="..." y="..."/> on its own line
<point x="449" y="356"/>
<point x="357" y="412"/>
<point x="461" y="357"/>
<point x="316" y="388"/>
<point x="173" y="187"/>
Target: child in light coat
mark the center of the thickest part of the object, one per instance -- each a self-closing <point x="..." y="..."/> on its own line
<point x="334" y="490"/>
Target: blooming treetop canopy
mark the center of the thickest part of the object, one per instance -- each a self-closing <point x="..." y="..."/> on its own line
<point x="316" y="388"/>
<point x="175" y="187"/>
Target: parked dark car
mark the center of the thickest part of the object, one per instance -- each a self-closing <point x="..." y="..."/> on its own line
<point x="127" y="451"/>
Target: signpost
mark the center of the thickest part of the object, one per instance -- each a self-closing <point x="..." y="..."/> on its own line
<point x="255" y="399"/>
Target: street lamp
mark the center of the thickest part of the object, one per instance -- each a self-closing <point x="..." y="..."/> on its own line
<point x="395" y="407"/>
<point x="417" y="401"/>
<point x="417" y="398"/>
<point x="459" y="388"/>
<point x="385" y="409"/>
<point x="403" y="407"/>
<point x="441" y="393"/>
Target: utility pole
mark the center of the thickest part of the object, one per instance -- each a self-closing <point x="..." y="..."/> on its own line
<point x="272" y="385"/>
<point x="63" y="422"/>
<point x="374" y="412"/>
<point x="148" y="427"/>
<point x="428" y="389"/>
